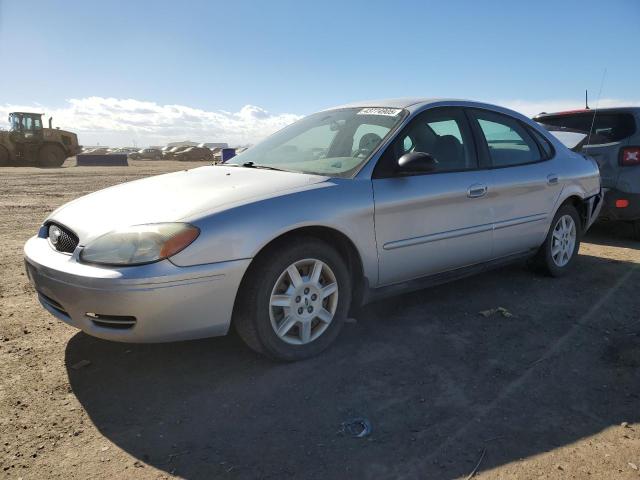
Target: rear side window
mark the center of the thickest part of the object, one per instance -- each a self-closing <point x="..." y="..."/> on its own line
<point x="508" y="142"/>
<point x="607" y="128"/>
<point x="545" y="146"/>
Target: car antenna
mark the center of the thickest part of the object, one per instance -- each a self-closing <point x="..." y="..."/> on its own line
<point x="593" y="120"/>
<point x="586" y="99"/>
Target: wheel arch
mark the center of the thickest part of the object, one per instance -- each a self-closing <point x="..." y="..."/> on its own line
<point x="333" y="237"/>
<point x="580" y="205"/>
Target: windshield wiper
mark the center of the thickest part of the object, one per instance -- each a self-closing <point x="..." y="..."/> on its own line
<point x="264" y="167"/>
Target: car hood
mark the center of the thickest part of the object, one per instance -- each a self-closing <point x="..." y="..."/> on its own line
<point x="174" y="197"/>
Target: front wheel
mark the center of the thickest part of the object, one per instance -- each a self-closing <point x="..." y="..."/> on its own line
<point x="557" y="254"/>
<point x="51" y="156"/>
<point x="293" y="300"/>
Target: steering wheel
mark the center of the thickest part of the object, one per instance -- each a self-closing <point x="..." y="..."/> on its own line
<point x="367" y="144"/>
<point x="362" y="151"/>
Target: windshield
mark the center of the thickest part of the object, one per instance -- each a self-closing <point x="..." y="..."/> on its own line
<point x="334" y="142"/>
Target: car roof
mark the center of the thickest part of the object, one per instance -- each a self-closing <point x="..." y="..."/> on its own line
<point x="543" y="115"/>
<point x="404" y="102"/>
<point x="418" y="103"/>
<point x="388" y="103"/>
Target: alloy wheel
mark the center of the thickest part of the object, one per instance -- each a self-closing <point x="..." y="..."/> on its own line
<point x="303" y="301"/>
<point x="563" y="240"/>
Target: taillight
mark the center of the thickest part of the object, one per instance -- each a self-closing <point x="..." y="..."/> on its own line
<point x="630" y="156"/>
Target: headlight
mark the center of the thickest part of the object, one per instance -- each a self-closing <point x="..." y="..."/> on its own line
<point x="140" y="244"/>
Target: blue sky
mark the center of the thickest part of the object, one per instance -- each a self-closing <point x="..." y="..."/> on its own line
<point x="295" y="57"/>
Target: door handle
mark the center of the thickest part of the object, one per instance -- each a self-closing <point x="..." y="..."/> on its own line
<point x="477" y="190"/>
<point x="552" y="179"/>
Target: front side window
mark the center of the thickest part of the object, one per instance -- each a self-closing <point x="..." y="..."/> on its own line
<point x="507" y="140"/>
<point x="333" y="143"/>
<point x="443" y="133"/>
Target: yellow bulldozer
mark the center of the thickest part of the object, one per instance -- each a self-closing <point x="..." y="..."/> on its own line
<point x="28" y="143"/>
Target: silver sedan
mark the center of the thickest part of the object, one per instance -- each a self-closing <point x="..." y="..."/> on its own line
<point x="341" y="207"/>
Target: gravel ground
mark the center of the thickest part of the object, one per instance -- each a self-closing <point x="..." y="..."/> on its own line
<point x="549" y="388"/>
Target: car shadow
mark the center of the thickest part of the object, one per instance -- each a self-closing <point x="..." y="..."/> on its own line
<point x="612" y="234"/>
<point x="438" y="381"/>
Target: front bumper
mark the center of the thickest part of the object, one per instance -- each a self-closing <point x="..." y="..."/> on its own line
<point x="158" y="302"/>
<point x="629" y="213"/>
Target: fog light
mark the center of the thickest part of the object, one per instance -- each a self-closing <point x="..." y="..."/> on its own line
<point x="622" y="203"/>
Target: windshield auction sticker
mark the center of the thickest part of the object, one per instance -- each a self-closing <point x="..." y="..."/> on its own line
<point x="390" y="112"/>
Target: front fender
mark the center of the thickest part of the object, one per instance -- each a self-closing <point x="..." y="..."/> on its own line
<point x="241" y="232"/>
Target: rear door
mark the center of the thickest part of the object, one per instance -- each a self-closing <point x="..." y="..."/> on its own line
<point x="525" y="181"/>
<point x="438" y="221"/>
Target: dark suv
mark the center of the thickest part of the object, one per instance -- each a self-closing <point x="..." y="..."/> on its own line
<point x="615" y="145"/>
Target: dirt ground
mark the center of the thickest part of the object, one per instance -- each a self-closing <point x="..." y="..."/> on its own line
<point x="550" y="391"/>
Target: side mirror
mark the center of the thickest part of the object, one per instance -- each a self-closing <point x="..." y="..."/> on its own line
<point x="417" y="162"/>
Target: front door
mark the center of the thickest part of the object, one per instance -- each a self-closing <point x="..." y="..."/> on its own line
<point x="438" y="221"/>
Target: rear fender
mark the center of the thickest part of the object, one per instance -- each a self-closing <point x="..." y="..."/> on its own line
<point x="588" y="207"/>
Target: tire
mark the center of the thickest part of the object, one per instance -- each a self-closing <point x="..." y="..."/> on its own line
<point x="557" y="254"/>
<point x="51" y="156"/>
<point x="268" y="282"/>
<point x="4" y="156"/>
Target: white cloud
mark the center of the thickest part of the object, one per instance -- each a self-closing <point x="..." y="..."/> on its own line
<point x="119" y="122"/>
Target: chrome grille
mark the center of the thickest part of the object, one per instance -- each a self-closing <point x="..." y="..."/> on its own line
<point x="61" y="238"/>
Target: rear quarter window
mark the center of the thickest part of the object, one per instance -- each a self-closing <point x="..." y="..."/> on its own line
<point x="607" y="128"/>
<point x="545" y="146"/>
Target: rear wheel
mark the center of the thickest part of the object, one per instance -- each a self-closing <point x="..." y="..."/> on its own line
<point x="293" y="301"/>
<point x="4" y="156"/>
<point x="51" y="156"/>
<point x="557" y="254"/>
